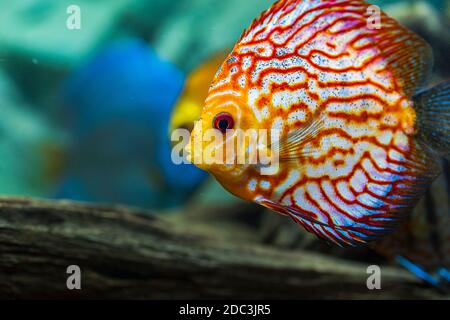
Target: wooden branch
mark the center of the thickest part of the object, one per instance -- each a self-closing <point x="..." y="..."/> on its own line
<point x="125" y="253"/>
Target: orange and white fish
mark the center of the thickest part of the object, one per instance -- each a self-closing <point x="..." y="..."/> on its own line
<point x="361" y="140"/>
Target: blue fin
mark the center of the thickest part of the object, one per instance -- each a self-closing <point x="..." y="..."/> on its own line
<point x="440" y="280"/>
<point x="444" y="274"/>
<point x="417" y="271"/>
<point x="433" y="118"/>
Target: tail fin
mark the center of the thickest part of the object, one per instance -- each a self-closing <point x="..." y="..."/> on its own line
<point x="433" y="118"/>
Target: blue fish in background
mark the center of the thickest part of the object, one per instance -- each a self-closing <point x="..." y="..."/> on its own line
<point x="117" y="109"/>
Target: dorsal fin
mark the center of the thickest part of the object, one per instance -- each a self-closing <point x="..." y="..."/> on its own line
<point x="407" y="55"/>
<point x="266" y="18"/>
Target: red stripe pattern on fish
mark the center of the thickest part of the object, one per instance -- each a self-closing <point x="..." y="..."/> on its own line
<point x="353" y="155"/>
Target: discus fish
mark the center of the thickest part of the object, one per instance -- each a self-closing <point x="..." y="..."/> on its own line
<point x="360" y="140"/>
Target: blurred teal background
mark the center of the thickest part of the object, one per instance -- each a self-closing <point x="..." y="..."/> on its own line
<point x="84" y="113"/>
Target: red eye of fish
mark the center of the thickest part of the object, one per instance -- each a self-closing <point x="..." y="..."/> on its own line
<point x="223" y="122"/>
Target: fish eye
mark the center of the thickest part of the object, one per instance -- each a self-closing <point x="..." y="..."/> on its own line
<point x="223" y="122"/>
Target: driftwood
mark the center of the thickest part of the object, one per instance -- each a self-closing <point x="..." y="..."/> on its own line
<point x="125" y="253"/>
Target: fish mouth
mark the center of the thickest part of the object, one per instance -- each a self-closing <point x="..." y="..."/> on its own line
<point x="194" y="155"/>
<point x="189" y="153"/>
<point x="192" y="149"/>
